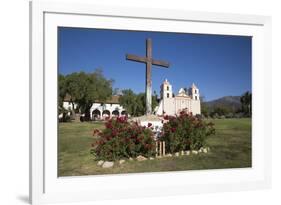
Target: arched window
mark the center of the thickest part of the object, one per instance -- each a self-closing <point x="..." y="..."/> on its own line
<point x="106" y="113"/>
<point x="115" y="113"/>
<point x="168" y="88"/>
<point x="96" y="114"/>
<point x="168" y="95"/>
<point x="124" y="113"/>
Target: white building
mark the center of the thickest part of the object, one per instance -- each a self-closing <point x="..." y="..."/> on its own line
<point x="173" y="104"/>
<point x="99" y="110"/>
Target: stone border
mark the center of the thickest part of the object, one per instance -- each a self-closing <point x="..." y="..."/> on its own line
<point x="110" y="164"/>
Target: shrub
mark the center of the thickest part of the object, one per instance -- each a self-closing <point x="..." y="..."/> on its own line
<point x="123" y="139"/>
<point x="185" y="132"/>
<point x="229" y="115"/>
<point x="65" y="117"/>
<point x="222" y="117"/>
<point x="201" y="117"/>
<point x="238" y="115"/>
<point x="215" y="116"/>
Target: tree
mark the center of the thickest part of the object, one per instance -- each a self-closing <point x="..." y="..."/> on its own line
<point x="61" y="96"/>
<point x="140" y="104"/>
<point x="135" y="103"/>
<point x="220" y="111"/>
<point x="205" y="111"/>
<point x="85" y="88"/>
<point x="62" y="91"/>
<point x="128" y="101"/>
<point x="72" y="85"/>
<point x="246" y="101"/>
<point x="117" y="91"/>
<point x="154" y="100"/>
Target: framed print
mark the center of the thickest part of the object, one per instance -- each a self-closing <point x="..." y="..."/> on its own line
<point x="129" y="102"/>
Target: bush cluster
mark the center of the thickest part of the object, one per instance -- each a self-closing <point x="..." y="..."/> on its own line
<point x="123" y="139"/>
<point x="185" y="132"/>
<point x="65" y="117"/>
<point x="228" y="115"/>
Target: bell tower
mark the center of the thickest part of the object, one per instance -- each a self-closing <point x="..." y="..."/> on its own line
<point x="194" y="92"/>
<point x="166" y="90"/>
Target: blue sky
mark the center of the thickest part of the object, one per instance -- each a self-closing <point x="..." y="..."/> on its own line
<point x="219" y="65"/>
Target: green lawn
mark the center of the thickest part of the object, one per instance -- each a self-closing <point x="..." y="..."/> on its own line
<point x="230" y="148"/>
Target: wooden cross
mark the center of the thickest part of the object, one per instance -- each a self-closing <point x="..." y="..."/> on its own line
<point x="149" y="61"/>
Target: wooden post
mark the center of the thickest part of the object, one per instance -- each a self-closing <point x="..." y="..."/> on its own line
<point x="148" y="89"/>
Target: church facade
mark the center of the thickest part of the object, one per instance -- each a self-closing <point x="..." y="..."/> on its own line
<point x="171" y="104"/>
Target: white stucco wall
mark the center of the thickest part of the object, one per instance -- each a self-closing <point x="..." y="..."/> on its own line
<point x="68" y="105"/>
<point x="159" y="108"/>
<point x="169" y="106"/>
<point x="107" y="107"/>
<point x="172" y="106"/>
<point x="182" y="103"/>
<point x="195" y="107"/>
<point x="97" y="106"/>
<point x="189" y="101"/>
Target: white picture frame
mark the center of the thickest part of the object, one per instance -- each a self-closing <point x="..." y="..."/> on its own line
<point x="46" y="187"/>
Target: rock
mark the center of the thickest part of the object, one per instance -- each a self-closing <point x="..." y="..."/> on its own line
<point x="141" y="158"/>
<point x="131" y="159"/>
<point x="194" y="152"/>
<point x="107" y="164"/>
<point x="208" y="149"/>
<point x="168" y="155"/>
<point x="182" y="152"/>
<point x="100" y="162"/>
<point x="205" y="150"/>
<point x="121" y="161"/>
<point x="151" y="158"/>
<point x="187" y="152"/>
<point x="200" y="150"/>
<point x="177" y="154"/>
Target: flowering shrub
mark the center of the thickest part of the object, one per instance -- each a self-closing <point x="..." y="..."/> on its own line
<point x="185" y="132"/>
<point x="122" y="139"/>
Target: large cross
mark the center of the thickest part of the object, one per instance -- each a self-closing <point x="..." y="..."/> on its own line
<point x="149" y="61"/>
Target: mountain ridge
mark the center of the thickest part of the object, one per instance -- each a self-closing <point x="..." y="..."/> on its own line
<point x="230" y="102"/>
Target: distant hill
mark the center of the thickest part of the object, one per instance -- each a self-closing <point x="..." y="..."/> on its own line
<point x="230" y="102"/>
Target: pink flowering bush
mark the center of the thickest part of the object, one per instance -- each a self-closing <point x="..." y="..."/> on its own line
<point x="185" y="132"/>
<point x="122" y="139"/>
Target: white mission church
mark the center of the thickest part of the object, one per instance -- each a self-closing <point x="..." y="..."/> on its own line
<point x="169" y="104"/>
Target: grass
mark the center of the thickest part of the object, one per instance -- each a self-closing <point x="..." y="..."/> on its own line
<point x="230" y="148"/>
